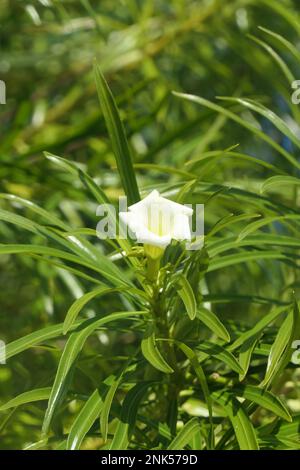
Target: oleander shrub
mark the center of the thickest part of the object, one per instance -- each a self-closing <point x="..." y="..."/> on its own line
<point x="118" y="343"/>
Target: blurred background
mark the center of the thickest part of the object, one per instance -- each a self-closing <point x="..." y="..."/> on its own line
<point x="146" y="49"/>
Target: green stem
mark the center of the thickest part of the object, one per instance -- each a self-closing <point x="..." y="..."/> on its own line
<point x="159" y="313"/>
<point x="153" y="266"/>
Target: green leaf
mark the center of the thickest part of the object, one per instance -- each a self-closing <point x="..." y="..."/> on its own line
<point x="196" y="442"/>
<point x="235" y="298"/>
<point x="107" y="406"/>
<point x="246" y="352"/>
<point x="265" y="399"/>
<point x="278" y="181"/>
<point x="107" y="269"/>
<point x="214" y="350"/>
<point x="281" y="430"/>
<point x="189" y="353"/>
<point x="287" y="44"/>
<point x="71" y="350"/>
<point x="213" y="323"/>
<point x="197" y="99"/>
<point x="185" y="435"/>
<point x="284" y="13"/>
<point x="79" y="245"/>
<point x="74" y="169"/>
<point x="36" y="338"/>
<point x="186" y="294"/>
<point x="242" y="426"/>
<point x="78" y="305"/>
<point x="118" y="137"/>
<point x="152" y="353"/>
<point x="94" y="189"/>
<point x="258" y="327"/>
<point x="227" y="155"/>
<point x="164" y="169"/>
<point x="27" y="397"/>
<point x="276" y="57"/>
<point x="262" y="222"/>
<point x="268" y="114"/>
<point x="228" y="221"/>
<point x="245" y="257"/>
<point x="62" y="445"/>
<point x="84" y="421"/>
<point x="281" y="350"/>
<point x="15" y="219"/>
<point x="229" y="243"/>
<point x="48" y="216"/>
<point x="40" y="445"/>
<point x="128" y="416"/>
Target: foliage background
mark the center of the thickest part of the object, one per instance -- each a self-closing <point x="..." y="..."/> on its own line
<point x="146" y="49"/>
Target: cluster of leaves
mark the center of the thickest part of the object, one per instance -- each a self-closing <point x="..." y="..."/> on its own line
<point x="214" y="371"/>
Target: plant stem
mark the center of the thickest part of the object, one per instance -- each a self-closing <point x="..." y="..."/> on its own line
<point x="152" y="269"/>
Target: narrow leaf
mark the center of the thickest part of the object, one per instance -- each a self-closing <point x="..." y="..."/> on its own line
<point x="278" y="182"/>
<point x="265" y="399"/>
<point x="242" y="426"/>
<point x="84" y="421"/>
<point x="118" y="137"/>
<point x="214" y="350"/>
<point x="185" y="435"/>
<point x="246" y="352"/>
<point x="107" y="406"/>
<point x="72" y="349"/>
<point x="78" y="305"/>
<point x="213" y="323"/>
<point x="27" y="397"/>
<point x="203" y="383"/>
<point x="152" y="353"/>
<point x="127" y="419"/>
<point x="281" y="350"/>
<point x="186" y="294"/>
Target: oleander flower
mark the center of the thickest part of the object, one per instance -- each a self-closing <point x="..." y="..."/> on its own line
<point x="155" y="221"/>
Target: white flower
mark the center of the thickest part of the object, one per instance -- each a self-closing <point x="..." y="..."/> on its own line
<point x="155" y="221"/>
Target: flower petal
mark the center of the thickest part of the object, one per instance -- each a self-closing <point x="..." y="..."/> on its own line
<point x="156" y="220"/>
<point x="181" y="228"/>
<point x="144" y="235"/>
